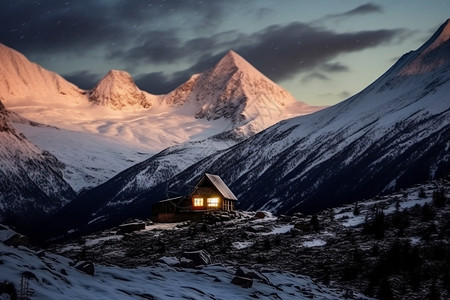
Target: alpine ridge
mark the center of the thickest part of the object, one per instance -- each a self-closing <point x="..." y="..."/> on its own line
<point x="20" y="78"/>
<point x="133" y="124"/>
<point x="31" y="183"/>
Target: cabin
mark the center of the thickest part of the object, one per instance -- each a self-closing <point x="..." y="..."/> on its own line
<point x="210" y="194"/>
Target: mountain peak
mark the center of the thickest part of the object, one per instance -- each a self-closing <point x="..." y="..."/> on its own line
<point x="235" y="90"/>
<point x="21" y="78"/>
<point x="232" y="62"/>
<point x="430" y="57"/>
<point x="441" y="36"/>
<point x="117" y="90"/>
<point x="233" y="57"/>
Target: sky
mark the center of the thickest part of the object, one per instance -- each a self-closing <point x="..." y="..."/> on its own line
<point x="321" y="51"/>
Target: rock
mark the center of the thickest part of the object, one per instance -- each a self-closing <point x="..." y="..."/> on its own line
<point x="170" y="261"/>
<point x="302" y="225"/>
<point x="224" y="217"/>
<point x="298" y="215"/>
<point x="7" y="290"/>
<point x="242" y="281"/>
<point x="17" y="240"/>
<point x="260" y="215"/>
<point x="257" y="228"/>
<point x="285" y="218"/>
<point x="186" y="263"/>
<point x="131" y="227"/>
<point x="247" y="273"/>
<point x="85" y="267"/>
<point x="64" y="272"/>
<point x="200" y="257"/>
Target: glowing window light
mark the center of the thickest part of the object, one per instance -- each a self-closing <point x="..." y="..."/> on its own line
<point x="198" y="201"/>
<point x="213" y="202"/>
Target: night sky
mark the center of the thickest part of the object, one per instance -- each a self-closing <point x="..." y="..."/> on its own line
<point x="321" y="51"/>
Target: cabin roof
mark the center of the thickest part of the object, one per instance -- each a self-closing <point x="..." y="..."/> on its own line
<point x="171" y="199"/>
<point x="218" y="183"/>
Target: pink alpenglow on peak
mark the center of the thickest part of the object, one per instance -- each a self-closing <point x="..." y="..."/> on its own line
<point x="118" y="91"/>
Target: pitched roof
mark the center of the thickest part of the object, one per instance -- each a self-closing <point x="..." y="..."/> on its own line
<point x="219" y="185"/>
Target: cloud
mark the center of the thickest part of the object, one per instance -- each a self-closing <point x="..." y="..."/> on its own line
<point x="156" y="83"/>
<point x="344" y="94"/>
<point x="282" y="51"/>
<point x="58" y="26"/>
<point x="158" y="46"/>
<point x="315" y="75"/>
<point x="181" y="32"/>
<point x="83" y="79"/>
<point x="160" y="83"/>
<point x="334" y="67"/>
<point x="364" y="9"/>
<point x="279" y="52"/>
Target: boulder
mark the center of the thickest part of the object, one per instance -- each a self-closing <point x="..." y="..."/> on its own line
<point x="85" y="267"/>
<point x="200" y="257"/>
<point x="247" y="273"/>
<point x="242" y="281"/>
<point x="17" y="240"/>
<point x="170" y="261"/>
<point x="260" y="215"/>
<point x="130" y="227"/>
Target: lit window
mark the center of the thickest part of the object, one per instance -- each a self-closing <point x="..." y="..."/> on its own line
<point x="213" y="202"/>
<point x="198" y="201"/>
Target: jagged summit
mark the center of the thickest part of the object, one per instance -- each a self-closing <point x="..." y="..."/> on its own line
<point x="232" y="62"/>
<point x="441" y="36"/>
<point x="118" y="91"/>
<point x="233" y="89"/>
<point x="431" y="56"/>
<point x="21" y="78"/>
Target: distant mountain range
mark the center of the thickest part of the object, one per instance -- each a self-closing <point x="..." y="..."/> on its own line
<point x="129" y="124"/>
<point x="391" y="135"/>
<point x="91" y="135"/>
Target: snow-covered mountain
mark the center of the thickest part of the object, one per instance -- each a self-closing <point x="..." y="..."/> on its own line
<point x="118" y="91"/>
<point x="232" y="97"/>
<point x="21" y="79"/>
<point x="31" y="183"/>
<point x="393" y="134"/>
<point x="235" y="90"/>
<point x="89" y="159"/>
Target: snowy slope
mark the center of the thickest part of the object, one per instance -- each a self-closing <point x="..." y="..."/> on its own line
<point x="31" y="183"/>
<point x="51" y="276"/>
<point x="89" y="159"/>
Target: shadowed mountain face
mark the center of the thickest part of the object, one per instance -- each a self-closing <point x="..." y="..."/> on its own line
<point x="31" y="185"/>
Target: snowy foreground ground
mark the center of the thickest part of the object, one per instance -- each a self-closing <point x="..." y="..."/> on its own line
<point x="54" y="277"/>
<point x="342" y="250"/>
